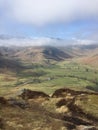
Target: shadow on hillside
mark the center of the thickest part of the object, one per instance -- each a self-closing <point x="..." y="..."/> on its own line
<point x="10" y="64"/>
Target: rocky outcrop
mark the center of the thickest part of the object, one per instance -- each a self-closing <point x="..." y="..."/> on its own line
<point x="29" y="94"/>
<point x="61" y="109"/>
<point x="68" y="92"/>
<point x="61" y="103"/>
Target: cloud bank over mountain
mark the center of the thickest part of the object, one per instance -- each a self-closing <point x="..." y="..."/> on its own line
<point x="43" y="41"/>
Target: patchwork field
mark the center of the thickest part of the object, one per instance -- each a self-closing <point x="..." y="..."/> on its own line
<point x="48" y="78"/>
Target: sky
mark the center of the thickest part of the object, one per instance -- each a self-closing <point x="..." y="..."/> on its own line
<point x="48" y="22"/>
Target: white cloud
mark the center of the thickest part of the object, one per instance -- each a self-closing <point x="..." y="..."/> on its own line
<point x="43" y="41"/>
<point x="41" y="12"/>
<point x="84" y="42"/>
<point x="8" y="41"/>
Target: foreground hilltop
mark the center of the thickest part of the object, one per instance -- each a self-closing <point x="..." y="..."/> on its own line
<point x="65" y="109"/>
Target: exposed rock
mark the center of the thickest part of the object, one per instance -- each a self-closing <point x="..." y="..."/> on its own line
<point x="65" y="92"/>
<point x="3" y="101"/>
<point x="29" y="94"/>
<point x="61" y="103"/>
<point x="76" y="120"/>
<point x="70" y="126"/>
<point x="62" y="109"/>
<point x="82" y="127"/>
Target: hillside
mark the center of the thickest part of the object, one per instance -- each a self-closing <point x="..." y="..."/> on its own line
<point x="10" y="64"/>
<point x="55" y="54"/>
<point x="91" y="55"/>
<point x="64" y="110"/>
<point x="48" y="88"/>
<point x="35" y="54"/>
<point x="90" y="60"/>
<point x="41" y="54"/>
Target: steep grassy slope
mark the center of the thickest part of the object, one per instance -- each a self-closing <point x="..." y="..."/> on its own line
<point x="93" y="61"/>
<point x="91" y="58"/>
<point x="10" y="64"/>
<point x="41" y="54"/>
<point x="34" y="54"/>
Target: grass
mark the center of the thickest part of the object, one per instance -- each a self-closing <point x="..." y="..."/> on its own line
<point x="36" y="118"/>
<point x="90" y="105"/>
<point x="69" y="74"/>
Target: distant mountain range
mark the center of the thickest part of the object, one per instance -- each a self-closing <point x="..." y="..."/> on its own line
<point x="34" y="54"/>
<point x="88" y="54"/>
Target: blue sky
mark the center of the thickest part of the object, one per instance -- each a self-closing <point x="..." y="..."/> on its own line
<point x="68" y="20"/>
